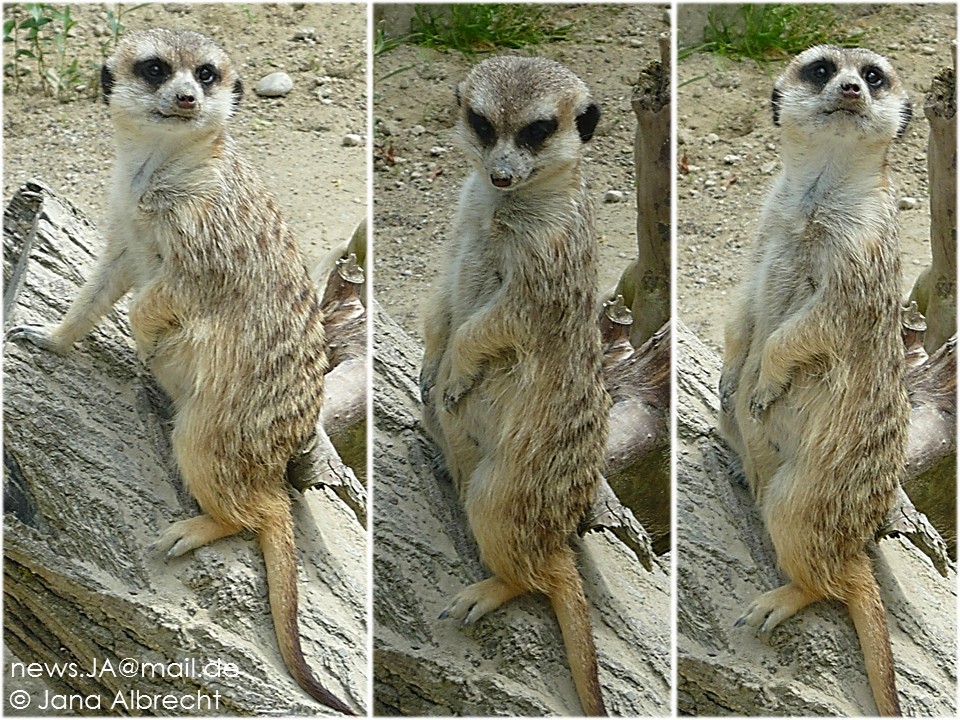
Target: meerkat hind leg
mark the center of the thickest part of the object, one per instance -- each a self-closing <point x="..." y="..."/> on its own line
<point x="772" y="608"/>
<point x="475" y="601"/>
<point x="186" y="535"/>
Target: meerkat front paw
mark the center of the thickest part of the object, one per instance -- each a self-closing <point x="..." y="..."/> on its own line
<point x="455" y="391"/>
<point x="763" y="397"/>
<point x="39" y="335"/>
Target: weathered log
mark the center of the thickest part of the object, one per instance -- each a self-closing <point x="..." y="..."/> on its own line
<point x="813" y="664"/>
<point x="936" y="289"/>
<point x="646" y="282"/>
<point x="512" y="661"/>
<point x="90" y="485"/>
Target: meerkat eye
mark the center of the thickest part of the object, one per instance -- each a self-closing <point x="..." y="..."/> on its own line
<point x="154" y="71"/>
<point x="874" y="76"/>
<point x="482" y="127"/>
<point x="207" y="75"/>
<point x="818" y="72"/>
<point x="534" y="134"/>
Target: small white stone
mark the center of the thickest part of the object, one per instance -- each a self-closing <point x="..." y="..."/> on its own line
<point x="907" y="203"/>
<point x="352" y="140"/>
<point x="768" y="167"/>
<point x="711" y="138"/>
<point x="275" y="84"/>
<point x="731" y="159"/>
<point x="613" y="196"/>
<point x="437" y="150"/>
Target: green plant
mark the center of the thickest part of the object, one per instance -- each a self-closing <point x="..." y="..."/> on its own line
<point x="774" y="31"/>
<point x="11" y="35"/>
<point x="471" y="28"/>
<point x="382" y="44"/>
<point x="41" y="33"/>
<point x="64" y="75"/>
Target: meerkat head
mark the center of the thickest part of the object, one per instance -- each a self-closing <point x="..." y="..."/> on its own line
<point x="829" y="92"/>
<point x="170" y="80"/>
<point x="522" y="119"/>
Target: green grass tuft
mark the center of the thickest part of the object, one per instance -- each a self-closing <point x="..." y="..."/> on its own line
<point x="773" y="31"/>
<point x="470" y="28"/>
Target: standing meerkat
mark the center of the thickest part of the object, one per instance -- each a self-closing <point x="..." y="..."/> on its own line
<point x="222" y="309"/>
<point x="512" y="380"/>
<point x="812" y="391"/>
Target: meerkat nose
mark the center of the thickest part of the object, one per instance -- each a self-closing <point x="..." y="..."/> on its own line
<point x="187" y="102"/>
<point x="501" y="182"/>
<point x="850" y="90"/>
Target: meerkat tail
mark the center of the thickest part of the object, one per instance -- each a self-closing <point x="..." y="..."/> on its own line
<point x="279" y="556"/>
<point x="869" y="617"/>
<point x="570" y="605"/>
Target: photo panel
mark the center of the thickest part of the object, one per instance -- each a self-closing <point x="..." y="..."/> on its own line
<point x="505" y="216"/>
<point x="200" y="189"/>
<point x="814" y="415"/>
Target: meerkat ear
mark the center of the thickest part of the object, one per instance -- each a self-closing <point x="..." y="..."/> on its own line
<point x="906" y="113"/>
<point x="107" y="81"/>
<point x="237" y="92"/>
<point x="775" y="105"/>
<point x="587" y="121"/>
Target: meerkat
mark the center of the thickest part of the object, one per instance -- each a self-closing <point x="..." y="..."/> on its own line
<point x="512" y="379"/>
<point x="812" y="390"/>
<point x="222" y="309"/>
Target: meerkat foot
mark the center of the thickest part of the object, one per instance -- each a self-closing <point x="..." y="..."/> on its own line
<point x="728" y="387"/>
<point x="475" y="601"/>
<point x="39" y="335"/>
<point x="772" y="608"/>
<point x="187" y="535"/>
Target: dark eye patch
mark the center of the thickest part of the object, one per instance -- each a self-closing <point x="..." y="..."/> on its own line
<point x="207" y="75"/>
<point x="818" y="73"/>
<point x="153" y="71"/>
<point x="482" y="127"/>
<point x="535" y="134"/>
<point x="874" y="76"/>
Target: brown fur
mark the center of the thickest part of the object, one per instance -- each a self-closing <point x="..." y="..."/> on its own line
<point x="512" y="380"/>
<point x="222" y="309"/>
<point x="812" y="389"/>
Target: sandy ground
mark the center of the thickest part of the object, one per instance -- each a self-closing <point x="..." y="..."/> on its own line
<point x="295" y="142"/>
<point x="418" y="171"/>
<point x="727" y="138"/>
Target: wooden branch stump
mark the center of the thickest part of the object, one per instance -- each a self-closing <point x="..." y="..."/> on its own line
<point x="936" y="289"/>
<point x="646" y="283"/>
